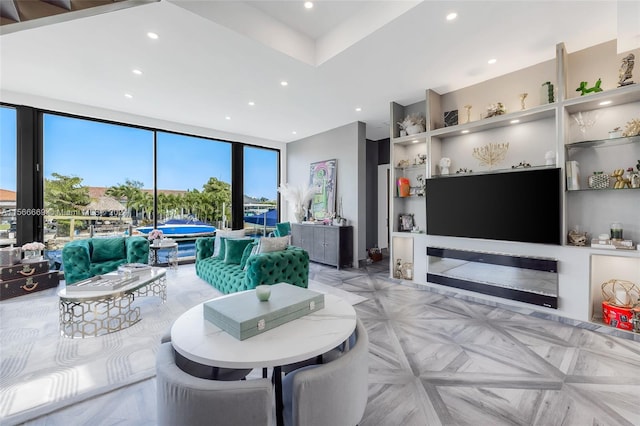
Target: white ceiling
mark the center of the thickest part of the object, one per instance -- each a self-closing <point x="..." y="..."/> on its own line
<point x="213" y="57"/>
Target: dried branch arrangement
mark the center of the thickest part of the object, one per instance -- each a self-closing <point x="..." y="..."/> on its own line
<point x="491" y="154"/>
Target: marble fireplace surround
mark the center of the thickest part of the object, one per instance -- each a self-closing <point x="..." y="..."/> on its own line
<point x="526" y="279"/>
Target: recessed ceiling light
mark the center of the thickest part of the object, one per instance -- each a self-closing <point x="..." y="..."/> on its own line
<point x="137" y="72"/>
<point x="464" y="131"/>
<point x="452" y="16"/>
<point x="514" y="121"/>
<point x="358" y="109"/>
<point x="308" y="4"/>
<point x="284" y="83"/>
<point x="294" y="133"/>
<point x="603" y="103"/>
<point x="492" y="61"/>
<point x="152" y="35"/>
<point x="251" y="103"/>
<point x="227" y="118"/>
<point x="128" y="95"/>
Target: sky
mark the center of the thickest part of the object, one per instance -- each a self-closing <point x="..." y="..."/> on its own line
<point x="105" y="154"/>
<point x="8" y="149"/>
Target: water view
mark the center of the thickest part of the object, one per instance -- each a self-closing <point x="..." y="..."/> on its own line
<point x="100" y="182"/>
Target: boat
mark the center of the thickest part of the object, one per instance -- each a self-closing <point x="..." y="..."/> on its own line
<point x="181" y="228"/>
<point x="265" y="218"/>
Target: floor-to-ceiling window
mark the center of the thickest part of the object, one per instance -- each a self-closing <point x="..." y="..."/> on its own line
<point x="260" y="189"/>
<point x="194" y="187"/>
<point x="90" y="177"/>
<point x="98" y="178"/>
<point x="8" y="175"/>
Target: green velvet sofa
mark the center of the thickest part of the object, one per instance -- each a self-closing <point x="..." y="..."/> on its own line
<point x="288" y="266"/>
<point x="82" y="259"/>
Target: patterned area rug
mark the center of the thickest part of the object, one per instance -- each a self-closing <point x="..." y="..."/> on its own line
<point x="40" y="371"/>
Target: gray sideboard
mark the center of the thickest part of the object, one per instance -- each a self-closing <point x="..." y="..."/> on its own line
<point x="331" y="245"/>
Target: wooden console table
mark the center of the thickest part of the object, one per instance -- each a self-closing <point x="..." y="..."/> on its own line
<point x="331" y="245"/>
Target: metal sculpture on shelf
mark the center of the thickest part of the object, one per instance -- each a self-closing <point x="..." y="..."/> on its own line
<point x="491" y="154"/>
<point x="523" y="96"/>
<point x="626" y="69"/>
<point x="495" y="109"/>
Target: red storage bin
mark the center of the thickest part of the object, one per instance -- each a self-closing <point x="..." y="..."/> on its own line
<point x="621" y="317"/>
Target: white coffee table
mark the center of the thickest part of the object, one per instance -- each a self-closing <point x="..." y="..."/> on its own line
<point x="93" y="313"/>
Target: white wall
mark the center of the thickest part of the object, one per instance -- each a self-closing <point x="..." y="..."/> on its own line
<point x="347" y="144"/>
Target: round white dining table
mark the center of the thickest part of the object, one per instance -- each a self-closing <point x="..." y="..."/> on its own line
<point x="199" y="340"/>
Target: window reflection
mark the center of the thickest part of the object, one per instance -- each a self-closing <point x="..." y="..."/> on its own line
<point x="194" y="188"/>
<point x="260" y="190"/>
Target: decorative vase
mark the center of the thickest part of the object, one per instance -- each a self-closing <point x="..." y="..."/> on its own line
<point x="415" y="129"/>
<point x="32" y="255"/>
<point x="599" y="180"/>
<point x="263" y="292"/>
<point x="298" y="213"/>
<point x="404" y="187"/>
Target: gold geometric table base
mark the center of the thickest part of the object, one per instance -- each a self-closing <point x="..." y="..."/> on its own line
<point x="96" y="316"/>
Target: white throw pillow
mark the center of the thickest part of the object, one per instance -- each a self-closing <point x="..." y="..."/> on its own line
<point x="268" y="245"/>
<point x="229" y="234"/>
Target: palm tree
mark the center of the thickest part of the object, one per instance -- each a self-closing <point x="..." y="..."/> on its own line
<point x="129" y="192"/>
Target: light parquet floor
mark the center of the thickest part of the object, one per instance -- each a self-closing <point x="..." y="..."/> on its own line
<point x="441" y="360"/>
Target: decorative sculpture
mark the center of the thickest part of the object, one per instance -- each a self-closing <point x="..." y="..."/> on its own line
<point x="495" y="109"/>
<point x="621" y="180"/>
<point x="576" y="238"/>
<point x="585" y="120"/>
<point x="584" y="90"/>
<point x="491" y="154"/>
<point x="397" y="272"/>
<point x="626" y="69"/>
<point x="468" y="108"/>
<point x="445" y="163"/>
<point x="632" y="128"/>
<point x="547" y="93"/>
<point x="550" y="158"/>
<point x="523" y="96"/>
<point x="412" y="124"/>
<point x="522" y="164"/>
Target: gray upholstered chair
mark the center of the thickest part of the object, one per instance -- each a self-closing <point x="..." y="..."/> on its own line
<point x="187" y="400"/>
<point x="334" y="393"/>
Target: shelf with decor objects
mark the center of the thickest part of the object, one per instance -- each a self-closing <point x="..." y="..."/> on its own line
<point x="602" y="143"/>
<point x="410" y="169"/>
<point x="599" y="132"/>
<point x="615" y="290"/>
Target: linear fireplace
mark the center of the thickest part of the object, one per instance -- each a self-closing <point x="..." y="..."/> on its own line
<point x="526" y="279"/>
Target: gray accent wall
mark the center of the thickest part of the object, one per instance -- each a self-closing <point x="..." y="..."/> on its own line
<point x="347" y="144"/>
